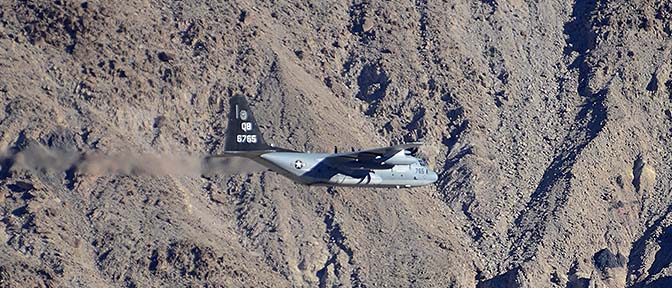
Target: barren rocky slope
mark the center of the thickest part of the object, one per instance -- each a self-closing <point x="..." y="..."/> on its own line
<point x="548" y="121"/>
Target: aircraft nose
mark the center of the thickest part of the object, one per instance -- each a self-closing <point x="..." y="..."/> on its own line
<point x="433" y="177"/>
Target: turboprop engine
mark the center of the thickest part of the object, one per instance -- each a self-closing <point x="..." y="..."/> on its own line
<point x="402" y="157"/>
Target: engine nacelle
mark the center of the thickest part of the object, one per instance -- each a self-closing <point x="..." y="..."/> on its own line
<point x="401" y="158"/>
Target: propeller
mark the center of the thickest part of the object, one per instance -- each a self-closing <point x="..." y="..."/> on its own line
<point x="366" y="178"/>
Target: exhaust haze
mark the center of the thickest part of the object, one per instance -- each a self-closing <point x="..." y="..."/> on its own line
<point x="40" y="158"/>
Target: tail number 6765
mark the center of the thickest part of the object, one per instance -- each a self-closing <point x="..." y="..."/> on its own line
<point x="246" y="138"/>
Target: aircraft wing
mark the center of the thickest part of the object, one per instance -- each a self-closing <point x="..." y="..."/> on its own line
<point x="371" y="154"/>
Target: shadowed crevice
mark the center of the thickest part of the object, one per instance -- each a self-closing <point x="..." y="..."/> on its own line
<point x="372" y="82"/>
<point x="553" y="190"/>
<point x="336" y="245"/>
<point x="638" y="253"/>
<point x="507" y="279"/>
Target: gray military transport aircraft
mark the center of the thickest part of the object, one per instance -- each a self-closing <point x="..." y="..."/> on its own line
<point x="393" y="166"/>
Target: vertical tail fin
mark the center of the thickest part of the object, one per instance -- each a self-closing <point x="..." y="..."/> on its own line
<point x="243" y="133"/>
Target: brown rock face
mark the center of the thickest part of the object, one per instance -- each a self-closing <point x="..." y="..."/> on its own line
<point x="548" y="121"/>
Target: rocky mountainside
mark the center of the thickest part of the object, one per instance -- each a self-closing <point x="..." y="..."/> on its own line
<point x="549" y="122"/>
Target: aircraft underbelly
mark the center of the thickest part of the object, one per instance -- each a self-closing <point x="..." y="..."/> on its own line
<point x="371" y="180"/>
<point x="341" y="179"/>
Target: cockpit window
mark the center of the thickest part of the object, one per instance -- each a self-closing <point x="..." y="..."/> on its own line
<point x="422" y="162"/>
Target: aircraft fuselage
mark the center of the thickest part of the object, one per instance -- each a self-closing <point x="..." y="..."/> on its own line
<point x="311" y="169"/>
